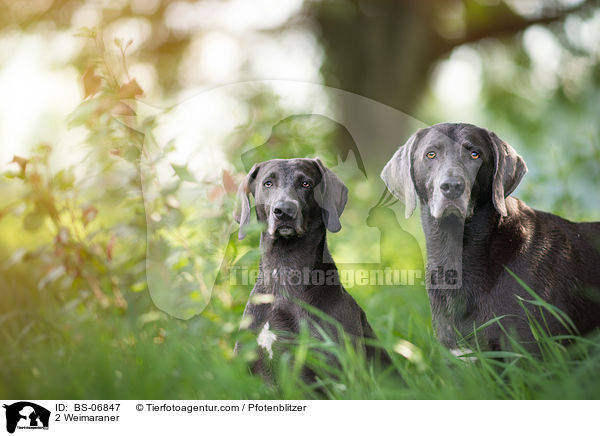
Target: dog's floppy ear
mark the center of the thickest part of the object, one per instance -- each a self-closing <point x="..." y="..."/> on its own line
<point x="332" y="195"/>
<point x="509" y="169"/>
<point x="397" y="175"/>
<point x="242" y="210"/>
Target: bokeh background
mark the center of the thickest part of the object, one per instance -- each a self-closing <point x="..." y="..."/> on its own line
<point x="125" y="128"/>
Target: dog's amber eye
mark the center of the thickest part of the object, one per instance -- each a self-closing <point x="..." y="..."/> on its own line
<point x="306" y="184"/>
<point x="475" y="155"/>
<point x="268" y="184"/>
<point x="430" y="154"/>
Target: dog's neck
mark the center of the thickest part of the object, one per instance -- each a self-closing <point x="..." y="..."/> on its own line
<point x="284" y="259"/>
<point x="453" y="241"/>
<point x="444" y="241"/>
<point x="453" y="274"/>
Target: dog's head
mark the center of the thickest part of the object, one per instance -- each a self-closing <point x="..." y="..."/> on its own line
<point x="290" y="196"/>
<point x="452" y="168"/>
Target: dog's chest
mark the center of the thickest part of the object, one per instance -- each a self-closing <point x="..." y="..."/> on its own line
<point x="285" y="316"/>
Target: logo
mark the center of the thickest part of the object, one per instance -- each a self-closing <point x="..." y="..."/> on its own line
<point x="26" y="415"/>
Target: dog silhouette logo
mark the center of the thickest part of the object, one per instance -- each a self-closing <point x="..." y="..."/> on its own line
<point x="26" y="415"/>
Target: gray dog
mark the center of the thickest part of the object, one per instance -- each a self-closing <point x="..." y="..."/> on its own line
<point x="477" y="234"/>
<point x="297" y="200"/>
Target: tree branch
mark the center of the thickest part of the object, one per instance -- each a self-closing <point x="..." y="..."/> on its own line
<point x="507" y="23"/>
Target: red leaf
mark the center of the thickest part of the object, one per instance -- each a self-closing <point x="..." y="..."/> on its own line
<point x="89" y="214"/>
<point x="121" y="108"/>
<point x="228" y="182"/>
<point x="130" y="90"/>
<point x="110" y="246"/>
<point x="91" y="82"/>
<point x="215" y="193"/>
<point x="21" y="161"/>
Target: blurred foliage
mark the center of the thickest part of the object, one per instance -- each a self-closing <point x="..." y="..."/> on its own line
<point x="558" y="133"/>
<point x="89" y="255"/>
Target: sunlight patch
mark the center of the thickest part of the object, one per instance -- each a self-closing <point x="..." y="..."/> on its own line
<point x="461" y="352"/>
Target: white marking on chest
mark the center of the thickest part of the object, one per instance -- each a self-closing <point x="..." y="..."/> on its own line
<point x="266" y="338"/>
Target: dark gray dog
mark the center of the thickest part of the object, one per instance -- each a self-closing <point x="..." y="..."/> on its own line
<point x="463" y="175"/>
<point x="297" y="200"/>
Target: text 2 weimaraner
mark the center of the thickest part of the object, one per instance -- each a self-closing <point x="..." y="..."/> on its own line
<point x="298" y="200"/>
<point x="463" y="175"/>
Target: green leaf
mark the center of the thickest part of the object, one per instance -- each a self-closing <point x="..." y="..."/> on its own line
<point x="65" y="179"/>
<point x="33" y="221"/>
<point x="86" y="32"/>
<point x="496" y="354"/>
<point x="53" y="275"/>
<point x="183" y="173"/>
<point x="83" y="112"/>
<point x="139" y="287"/>
<point x="149" y="317"/>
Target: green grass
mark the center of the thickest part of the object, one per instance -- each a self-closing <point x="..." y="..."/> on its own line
<point x="55" y="348"/>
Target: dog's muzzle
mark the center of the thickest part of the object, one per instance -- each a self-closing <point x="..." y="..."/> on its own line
<point x="284" y="219"/>
<point x="450" y="197"/>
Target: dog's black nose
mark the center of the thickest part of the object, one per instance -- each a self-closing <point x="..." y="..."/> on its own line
<point x="452" y="187"/>
<point x="285" y="210"/>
